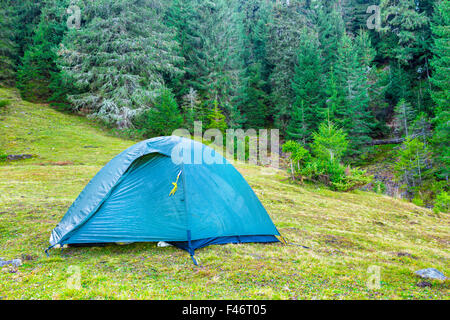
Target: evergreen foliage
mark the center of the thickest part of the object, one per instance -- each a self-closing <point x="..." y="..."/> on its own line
<point x="162" y="119"/>
<point x="118" y="59"/>
<point x="306" y="68"/>
<point x="441" y="84"/>
<point x="8" y="46"/>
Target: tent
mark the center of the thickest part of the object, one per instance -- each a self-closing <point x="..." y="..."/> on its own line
<point x="169" y="189"/>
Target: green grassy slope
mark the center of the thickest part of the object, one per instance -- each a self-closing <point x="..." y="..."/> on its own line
<point x="347" y="233"/>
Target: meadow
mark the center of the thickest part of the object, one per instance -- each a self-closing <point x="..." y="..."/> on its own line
<point x="352" y="237"/>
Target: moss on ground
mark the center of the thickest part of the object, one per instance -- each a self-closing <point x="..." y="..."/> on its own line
<point x="350" y="234"/>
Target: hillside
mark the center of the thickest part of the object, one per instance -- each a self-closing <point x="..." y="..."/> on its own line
<point x="347" y="232"/>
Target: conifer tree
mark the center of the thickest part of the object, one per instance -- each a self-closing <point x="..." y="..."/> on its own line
<point x="329" y="142"/>
<point x="284" y="35"/>
<point x="403" y="116"/>
<point x="162" y="119"/>
<point x="441" y="86"/>
<point x="411" y="165"/>
<point x="331" y="28"/>
<point x="8" y="46"/>
<point x="217" y="119"/>
<point x="118" y="59"/>
<point x="403" y="25"/>
<point x="357" y="120"/>
<point x="252" y="98"/>
<point x="39" y="63"/>
<point x="210" y="48"/>
<point x="298" y="126"/>
<point x="307" y="87"/>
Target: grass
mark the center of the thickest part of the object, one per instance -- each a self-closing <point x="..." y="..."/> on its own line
<point x="348" y="233"/>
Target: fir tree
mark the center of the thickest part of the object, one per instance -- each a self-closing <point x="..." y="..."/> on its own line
<point x="298" y="126"/>
<point x="357" y="120"/>
<point x="39" y="63"/>
<point x="411" y="165"/>
<point x="252" y="98"/>
<point x="405" y="26"/>
<point x="403" y="116"/>
<point x="8" y="46"/>
<point x="162" y="119"/>
<point x="329" y="142"/>
<point x="307" y="87"/>
<point x="210" y="48"/>
<point x="118" y="59"/>
<point x="217" y="119"/>
<point x="331" y="28"/>
<point x="284" y="36"/>
<point x="441" y="86"/>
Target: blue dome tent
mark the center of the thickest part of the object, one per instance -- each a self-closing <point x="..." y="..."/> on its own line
<point x="158" y="190"/>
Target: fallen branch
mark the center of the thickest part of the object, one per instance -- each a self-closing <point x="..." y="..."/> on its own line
<point x="393" y="141"/>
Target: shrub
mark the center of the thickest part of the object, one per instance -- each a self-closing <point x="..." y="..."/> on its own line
<point x="379" y="187"/>
<point x="162" y="119"/>
<point x="4" y="103"/>
<point x="329" y="142"/>
<point x="418" y="201"/>
<point x="329" y="145"/>
<point x="299" y="156"/>
<point x="442" y="202"/>
<point x="353" y="179"/>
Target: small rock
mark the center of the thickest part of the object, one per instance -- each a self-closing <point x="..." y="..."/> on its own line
<point x="431" y="273"/>
<point x="163" y="244"/>
<point x="423" y="284"/>
<point x="13" y="157"/>
<point x="15" y="262"/>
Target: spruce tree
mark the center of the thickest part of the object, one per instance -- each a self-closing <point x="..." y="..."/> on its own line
<point x="8" y="46"/>
<point x="39" y="64"/>
<point x="331" y="28"/>
<point x="441" y="86"/>
<point x="403" y="116"/>
<point x="284" y="36"/>
<point x="118" y="59"/>
<point x="162" y="119"/>
<point x="298" y="128"/>
<point x="210" y="48"/>
<point x="217" y="119"/>
<point x="329" y="142"/>
<point x="404" y="27"/>
<point x="307" y="87"/>
<point x="252" y="98"/>
<point x="358" y="120"/>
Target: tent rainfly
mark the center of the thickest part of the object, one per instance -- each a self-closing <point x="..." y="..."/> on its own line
<point x="158" y="190"/>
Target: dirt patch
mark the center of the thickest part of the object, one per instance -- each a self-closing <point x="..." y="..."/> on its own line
<point x="59" y="163"/>
<point x="405" y="254"/>
<point x="424" y="284"/>
<point x="15" y="157"/>
<point x="338" y="241"/>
